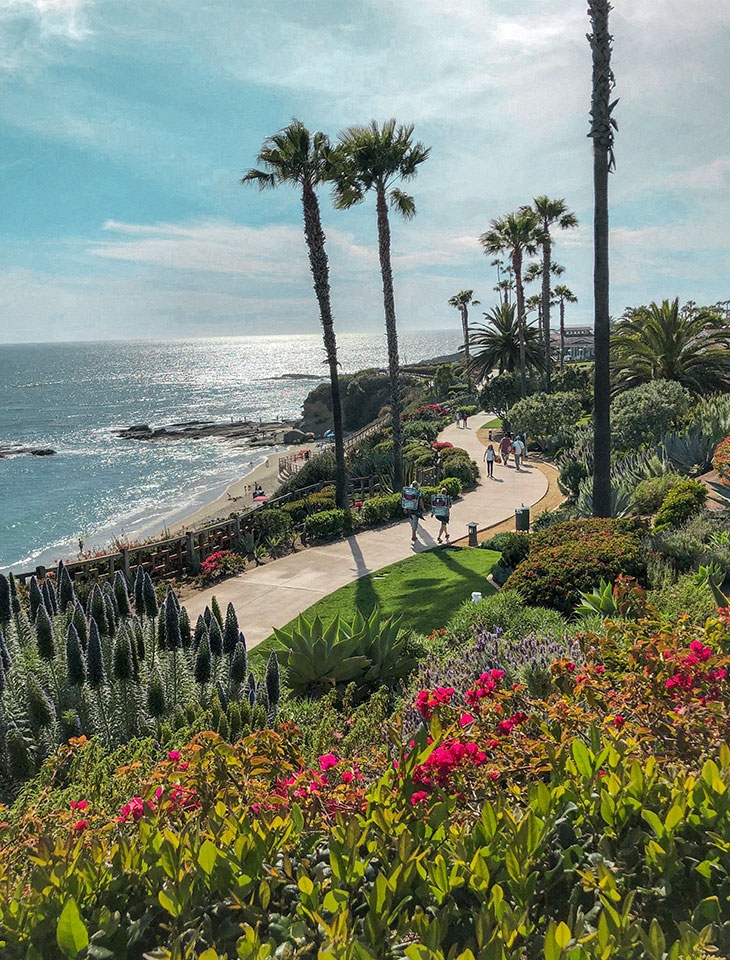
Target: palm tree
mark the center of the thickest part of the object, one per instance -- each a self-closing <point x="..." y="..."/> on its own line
<point x="660" y="342"/>
<point x="461" y="302"/>
<point x="375" y="158"/>
<point x="515" y="234"/>
<point x="294" y="156"/>
<point x="563" y="295"/>
<point x="551" y="213"/>
<point x="498" y="343"/>
<point x="602" y="128"/>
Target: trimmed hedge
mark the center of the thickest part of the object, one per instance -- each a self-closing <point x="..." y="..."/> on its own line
<point x="381" y="509"/>
<point x="272" y="522"/>
<point x="569" y="531"/>
<point x="463" y="468"/>
<point x="514" y="547"/>
<point x="327" y="525"/>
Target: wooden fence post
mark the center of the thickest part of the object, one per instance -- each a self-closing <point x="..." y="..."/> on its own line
<point x="192" y="554"/>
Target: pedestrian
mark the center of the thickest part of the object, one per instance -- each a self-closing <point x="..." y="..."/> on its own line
<point x="440" y="508"/>
<point x="524" y="444"/>
<point x="81" y="547"/>
<point x="490" y="436"/>
<point x="489" y="457"/>
<point x="457" y="417"/>
<point x="518" y="448"/>
<point x="413" y="506"/>
<point x="504" y="445"/>
<point x="465" y="419"/>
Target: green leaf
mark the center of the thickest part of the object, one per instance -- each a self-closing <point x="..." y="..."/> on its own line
<point x="562" y="935"/>
<point x="71" y="933"/>
<point x="550" y="947"/>
<point x="306" y="886"/>
<point x="169" y="902"/>
<point x="582" y="758"/>
<point x="654" y="822"/>
<point x="656" y="944"/>
<point x="207" y="856"/>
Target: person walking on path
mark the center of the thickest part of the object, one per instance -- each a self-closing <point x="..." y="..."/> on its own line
<point x="413" y="506"/>
<point x="518" y="448"/>
<point x="440" y="508"/>
<point x="489" y="457"/>
<point x="504" y="445"/>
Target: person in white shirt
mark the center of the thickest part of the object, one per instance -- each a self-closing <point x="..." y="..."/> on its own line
<point x="489" y="457"/>
<point x="518" y="448"/>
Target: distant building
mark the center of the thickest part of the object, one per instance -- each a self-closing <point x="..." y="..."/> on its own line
<point x="579" y="343"/>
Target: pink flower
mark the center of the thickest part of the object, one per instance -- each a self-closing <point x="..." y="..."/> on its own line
<point x="173" y="754"/>
<point x="504" y="727"/>
<point x="79" y="805"/>
<point x="418" y="797"/>
<point x="184" y="765"/>
<point x="347" y="776"/>
<point x="328" y="761"/>
<point x="465" y="719"/>
<point x="80" y="826"/>
<point x="619" y="721"/>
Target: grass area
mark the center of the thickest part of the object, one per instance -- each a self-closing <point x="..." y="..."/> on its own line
<point x="426" y="590"/>
<point x="495" y="424"/>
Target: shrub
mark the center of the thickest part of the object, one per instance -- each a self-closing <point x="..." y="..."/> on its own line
<point x="381" y="509"/>
<point x="426" y="430"/>
<point x="297" y="510"/>
<point x="503" y="611"/>
<point x="721" y="460"/>
<point x="514" y="547"/>
<point x="463" y="468"/>
<point x="641" y="416"/>
<point x="684" y="597"/>
<point x="324" y="500"/>
<point x="701" y="540"/>
<point x="548" y="518"/>
<point x="556" y="576"/>
<point x="569" y="531"/>
<point x="649" y="494"/>
<point x="222" y="563"/>
<point x="545" y="415"/>
<point x="272" y="523"/>
<point x="453" y="486"/>
<point x="684" y="500"/>
<point x="325" y="525"/>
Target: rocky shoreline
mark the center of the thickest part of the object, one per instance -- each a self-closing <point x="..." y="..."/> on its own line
<point x="13" y="451"/>
<point x="255" y="433"/>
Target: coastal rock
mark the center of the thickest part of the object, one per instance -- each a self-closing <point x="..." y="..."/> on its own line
<point x="13" y="451"/>
<point x="264" y="433"/>
<point x="294" y="436"/>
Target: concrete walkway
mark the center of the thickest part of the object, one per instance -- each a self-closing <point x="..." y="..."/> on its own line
<point x="273" y="594"/>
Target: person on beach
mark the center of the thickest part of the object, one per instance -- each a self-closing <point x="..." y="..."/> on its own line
<point x="504" y="445"/>
<point x="441" y="509"/>
<point x="413" y="506"/>
<point x="489" y="458"/>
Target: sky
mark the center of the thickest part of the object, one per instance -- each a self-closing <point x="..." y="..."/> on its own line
<point x="126" y="126"/>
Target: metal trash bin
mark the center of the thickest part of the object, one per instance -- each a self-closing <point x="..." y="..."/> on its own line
<point x="522" y="519"/>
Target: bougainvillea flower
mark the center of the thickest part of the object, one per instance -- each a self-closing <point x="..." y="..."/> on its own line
<point x="328" y="761"/>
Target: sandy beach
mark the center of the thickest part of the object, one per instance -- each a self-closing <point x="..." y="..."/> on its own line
<point x="239" y="495"/>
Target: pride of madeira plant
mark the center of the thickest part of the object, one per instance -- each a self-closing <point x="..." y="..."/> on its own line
<point x="117" y="668"/>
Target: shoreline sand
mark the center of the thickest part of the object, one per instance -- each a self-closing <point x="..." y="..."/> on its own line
<point x="238" y="496"/>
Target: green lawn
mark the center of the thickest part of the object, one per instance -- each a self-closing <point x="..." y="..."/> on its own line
<point x="426" y="590"/>
<point x="495" y="424"/>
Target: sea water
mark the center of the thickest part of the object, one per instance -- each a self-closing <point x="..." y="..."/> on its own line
<point x="72" y="397"/>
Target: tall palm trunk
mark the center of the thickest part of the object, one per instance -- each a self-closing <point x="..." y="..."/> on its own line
<point x="520" y="293"/>
<point x="391" y="331"/>
<point x="464" y="310"/>
<point x="546" y="257"/>
<point x="319" y="266"/>
<point x="562" y="334"/>
<point x="601" y="132"/>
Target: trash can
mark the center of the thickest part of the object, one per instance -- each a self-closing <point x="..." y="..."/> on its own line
<point x="522" y="519"/>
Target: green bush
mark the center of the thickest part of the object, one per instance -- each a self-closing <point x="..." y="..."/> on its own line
<point x="426" y="430"/>
<point x="684" y="500"/>
<point x="453" y="486"/>
<point x="684" y="597"/>
<point x="324" y="500"/>
<point x="463" y="468"/>
<point x="381" y="509"/>
<point x="325" y="525"/>
<point x="272" y="523"/>
<point x="569" y="531"/>
<point x="297" y="510"/>
<point x="701" y="540"/>
<point x="556" y="576"/>
<point x="505" y="611"/>
<point x="514" y="547"/>
<point x="649" y="494"/>
<point x="546" y="415"/>
<point x="641" y="416"/>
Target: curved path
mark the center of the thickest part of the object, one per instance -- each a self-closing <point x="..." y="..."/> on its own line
<point x="273" y="594"/>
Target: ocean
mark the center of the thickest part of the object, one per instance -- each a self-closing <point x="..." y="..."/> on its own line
<point x="98" y="487"/>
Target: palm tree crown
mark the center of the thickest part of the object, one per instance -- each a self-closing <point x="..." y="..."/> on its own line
<point x="297" y="157"/>
<point x="461" y="302"/>
<point x="660" y="342"/>
<point x="517" y="235"/>
<point x="376" y="158"/>
<point x="498" y="343"/>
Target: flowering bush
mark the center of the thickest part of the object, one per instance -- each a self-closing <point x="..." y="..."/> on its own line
<point x="222" y="563"/>
<point x="721" y="460"/>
